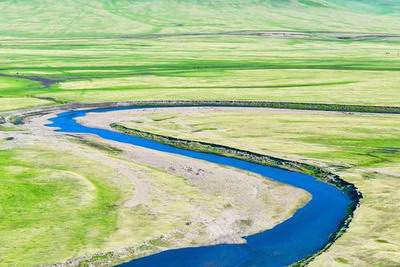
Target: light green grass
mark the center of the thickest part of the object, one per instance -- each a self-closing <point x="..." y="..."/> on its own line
<point x="363" y="149"/>
<point x="126" y="61"/>
<point x="14" y="94"/>
<point x="49" y="202"/>
<point x="14" y="103"/>
<point x="93" y="205"/>
<point x="208" y="68"/>
<point x="108" y="50"/>
<point x="57" y="208"/>
<point x="9" y="128"/>
<point x="80" y="19"/>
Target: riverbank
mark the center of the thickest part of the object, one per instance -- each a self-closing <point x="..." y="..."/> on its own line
<point x="163" y="201"/>
<point x="360" y="148"/>
<point x="299" y="225"/>
<point x="322" y="174"/>
<point x="340" y="250"/>
<point x="17" y="117"/>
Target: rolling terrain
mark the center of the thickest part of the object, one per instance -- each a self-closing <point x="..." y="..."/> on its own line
<point x="340" y="52"/>
<point x="110" y="18"/>
<point x="343" y="52"/>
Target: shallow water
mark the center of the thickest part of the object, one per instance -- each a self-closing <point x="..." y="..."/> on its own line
<point x="300" y="236"/>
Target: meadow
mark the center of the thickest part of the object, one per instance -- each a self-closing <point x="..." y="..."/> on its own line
<point x="314" y="51"/>
<point x="43" y="196"/>
<point x="222" y="67"/>
<point x="105" y="18"/>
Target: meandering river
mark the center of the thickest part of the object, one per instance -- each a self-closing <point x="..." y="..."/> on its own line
<point x="308" y="231"/>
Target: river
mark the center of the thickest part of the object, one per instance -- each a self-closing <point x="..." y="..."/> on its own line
<point x="308" y="231"/>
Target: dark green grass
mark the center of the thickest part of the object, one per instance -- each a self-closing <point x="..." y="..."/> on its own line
<point x="368" y="152"/>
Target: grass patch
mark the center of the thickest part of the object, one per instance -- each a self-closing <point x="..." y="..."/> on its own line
<point x="7" y="128"/>
<point x="44" y="196"/>
<point x="7" y="104"/>
<point x="97" y="144"/>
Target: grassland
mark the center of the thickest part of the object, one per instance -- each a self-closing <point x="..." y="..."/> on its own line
<point x="315" y="51"/>
<point x="74" y="18"/>
<point x="300" y="51"/>
<point x="363" y="149"/>
<point x="212" y="68"/>
<point x="51" y="202"/>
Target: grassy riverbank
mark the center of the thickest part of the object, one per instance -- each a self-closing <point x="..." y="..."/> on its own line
<point x="318" y="172"/>
<point x="212" y="148"/>
<point x="100" y="204"/>
<point x="362" y="149"/>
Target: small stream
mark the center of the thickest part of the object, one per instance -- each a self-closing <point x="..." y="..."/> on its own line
<point x="308" y="231"/>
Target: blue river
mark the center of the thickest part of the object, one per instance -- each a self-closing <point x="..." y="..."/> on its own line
<point x="308" y="231"/>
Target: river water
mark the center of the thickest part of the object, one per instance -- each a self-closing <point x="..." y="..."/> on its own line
<point x="302" y="235"/>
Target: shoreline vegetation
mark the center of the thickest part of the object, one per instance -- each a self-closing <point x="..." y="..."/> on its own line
<point x="17" y="117"/>
<point x="362" y="148"/>
<point x="318" y="172"/>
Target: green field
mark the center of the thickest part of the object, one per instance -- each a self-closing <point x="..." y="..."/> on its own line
<point x="148" y="50"/>
<point x="314" y="51"/>
<point x="213" y="68"/>
<point x="44" y="196"/>
<point x="104" y="18"/>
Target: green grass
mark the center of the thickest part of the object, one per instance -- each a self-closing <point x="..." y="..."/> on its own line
<point x="14" y="103"/>
<point x="365" y="152"/>
<point x="98" y="145"/>
<point x="73" y="204"/>
<point x="45" y="203"/>
<point x="144" y="51"/>
<point x="206" y="68"/>
<point x="81" y="206"/>
<point x="362" y="148"/>
<point x="121" y="18"/>
<point x="15" y="94"/>
<point x="107" y="50"/>
<point x="8" y="128"/>
<point x="14" y="87"/>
